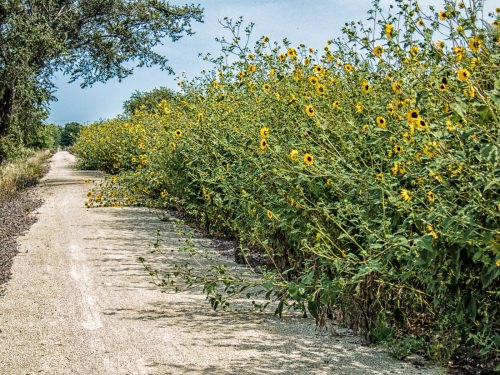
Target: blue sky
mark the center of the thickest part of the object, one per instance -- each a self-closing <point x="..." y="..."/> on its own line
<point x="301" y="21"/>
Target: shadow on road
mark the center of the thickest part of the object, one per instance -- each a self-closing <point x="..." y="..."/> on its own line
<point x="266" y="344"/>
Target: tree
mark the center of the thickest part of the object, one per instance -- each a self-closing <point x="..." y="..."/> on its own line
<point x="89" y="40"/>
<point x="70" y="133"/>
<point x="148" y="101"/>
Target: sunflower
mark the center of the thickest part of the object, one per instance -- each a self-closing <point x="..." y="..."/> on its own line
<point x="443" y="16"/>
<point x="388" y="30"/>
<point x="463" y="74"/>
<point x="440" y="44"/>
<point x="414" y="50"/>
<point x="422" y="125"/>
<point x="405" y="194"/>
<point x="308" y="159"/>
<point x="264" y="132"/>
<point x="282" y="57"/>
<point x="318" y="68"/>
<point x="336" y="104"/>
<point x="442" y="87"/>
<point x="251" y="56"/>
<point x="313" y="80"/>
<point x="293" y="155"/>
<point x="266" y="87"/>
<point x="398" y="149"/>
<point x="266" y="39"/>
<point x="407" y="137"/>
<point x="365" y="87"/>
<point x="436" y="176"/>
<point x="359" y="107"/>
<point x="178" y="133"/>
<point x="251" y="68"/>
<point x="378" y="50"/>
<point x="431" y="148"/>
<point x="455" y="168"/>
<point x="471" y="92"/>
<point x="381" y="122"/>
<point x="395" y="169"/>
<point x="474" y="44"/>
<point x="391" y="108"/>
<point x="269" y="214"/>
<point x="431" y="231"/>
<point x="263" y="144"/>
<point x="320" y="89"/>
<point x="292" y="53"/>
<point x="348" y="67"/>
<point x="430" y="196"/>
<point x="240" y="75"/>
<point x="397" y="87"/>
<point x="310" y="110"/>
<point x="459" y="52"/>
<point x="413" y="115"/>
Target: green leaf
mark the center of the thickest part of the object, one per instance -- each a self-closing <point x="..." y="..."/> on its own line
<point x="459" y="107"/>
<point x="484" y="112"/>
<point x="279" y="309"/>
<point x="497" y="82"/>
<point x="425" y="242"/>
<point x="489" y="152"/>
<point x="268" y="285"/>
<point x="488" y="275"/>
<point x="312" y="306"/>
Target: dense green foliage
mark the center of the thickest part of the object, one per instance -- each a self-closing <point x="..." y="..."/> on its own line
<point x="367" y="173"/>
<point x="91" y="41"/>
<point x="147" y="101"/>
<point x="70" y="132"/>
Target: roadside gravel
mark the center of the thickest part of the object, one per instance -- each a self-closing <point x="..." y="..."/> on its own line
<point x="16" y="217"/>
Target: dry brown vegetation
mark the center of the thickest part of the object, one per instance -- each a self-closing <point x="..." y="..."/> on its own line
<point x="18" y="174"/>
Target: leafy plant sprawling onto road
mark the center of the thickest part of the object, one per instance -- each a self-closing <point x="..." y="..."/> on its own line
<point x="367" y="173"/>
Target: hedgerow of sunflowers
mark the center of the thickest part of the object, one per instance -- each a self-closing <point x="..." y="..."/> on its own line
<point x="367" y="172"/>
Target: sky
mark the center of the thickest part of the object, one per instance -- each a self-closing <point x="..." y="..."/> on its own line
<point x="301" y="21"/>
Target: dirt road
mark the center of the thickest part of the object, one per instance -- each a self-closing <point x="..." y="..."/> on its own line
<point x="80" y="303"/>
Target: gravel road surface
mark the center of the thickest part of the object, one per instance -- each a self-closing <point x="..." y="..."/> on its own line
<point x="80" y="303"/>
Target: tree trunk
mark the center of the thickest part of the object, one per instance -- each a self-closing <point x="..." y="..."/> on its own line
<point x="6" y="103"/>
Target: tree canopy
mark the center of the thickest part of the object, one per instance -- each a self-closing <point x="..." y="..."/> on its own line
<point x="148" y="101"/>
<point x="91" y="41"/>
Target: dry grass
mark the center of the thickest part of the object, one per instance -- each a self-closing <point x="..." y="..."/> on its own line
<point x="19" y="174"/>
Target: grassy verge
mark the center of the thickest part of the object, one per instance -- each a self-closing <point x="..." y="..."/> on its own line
<point x="21" y="173"/>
